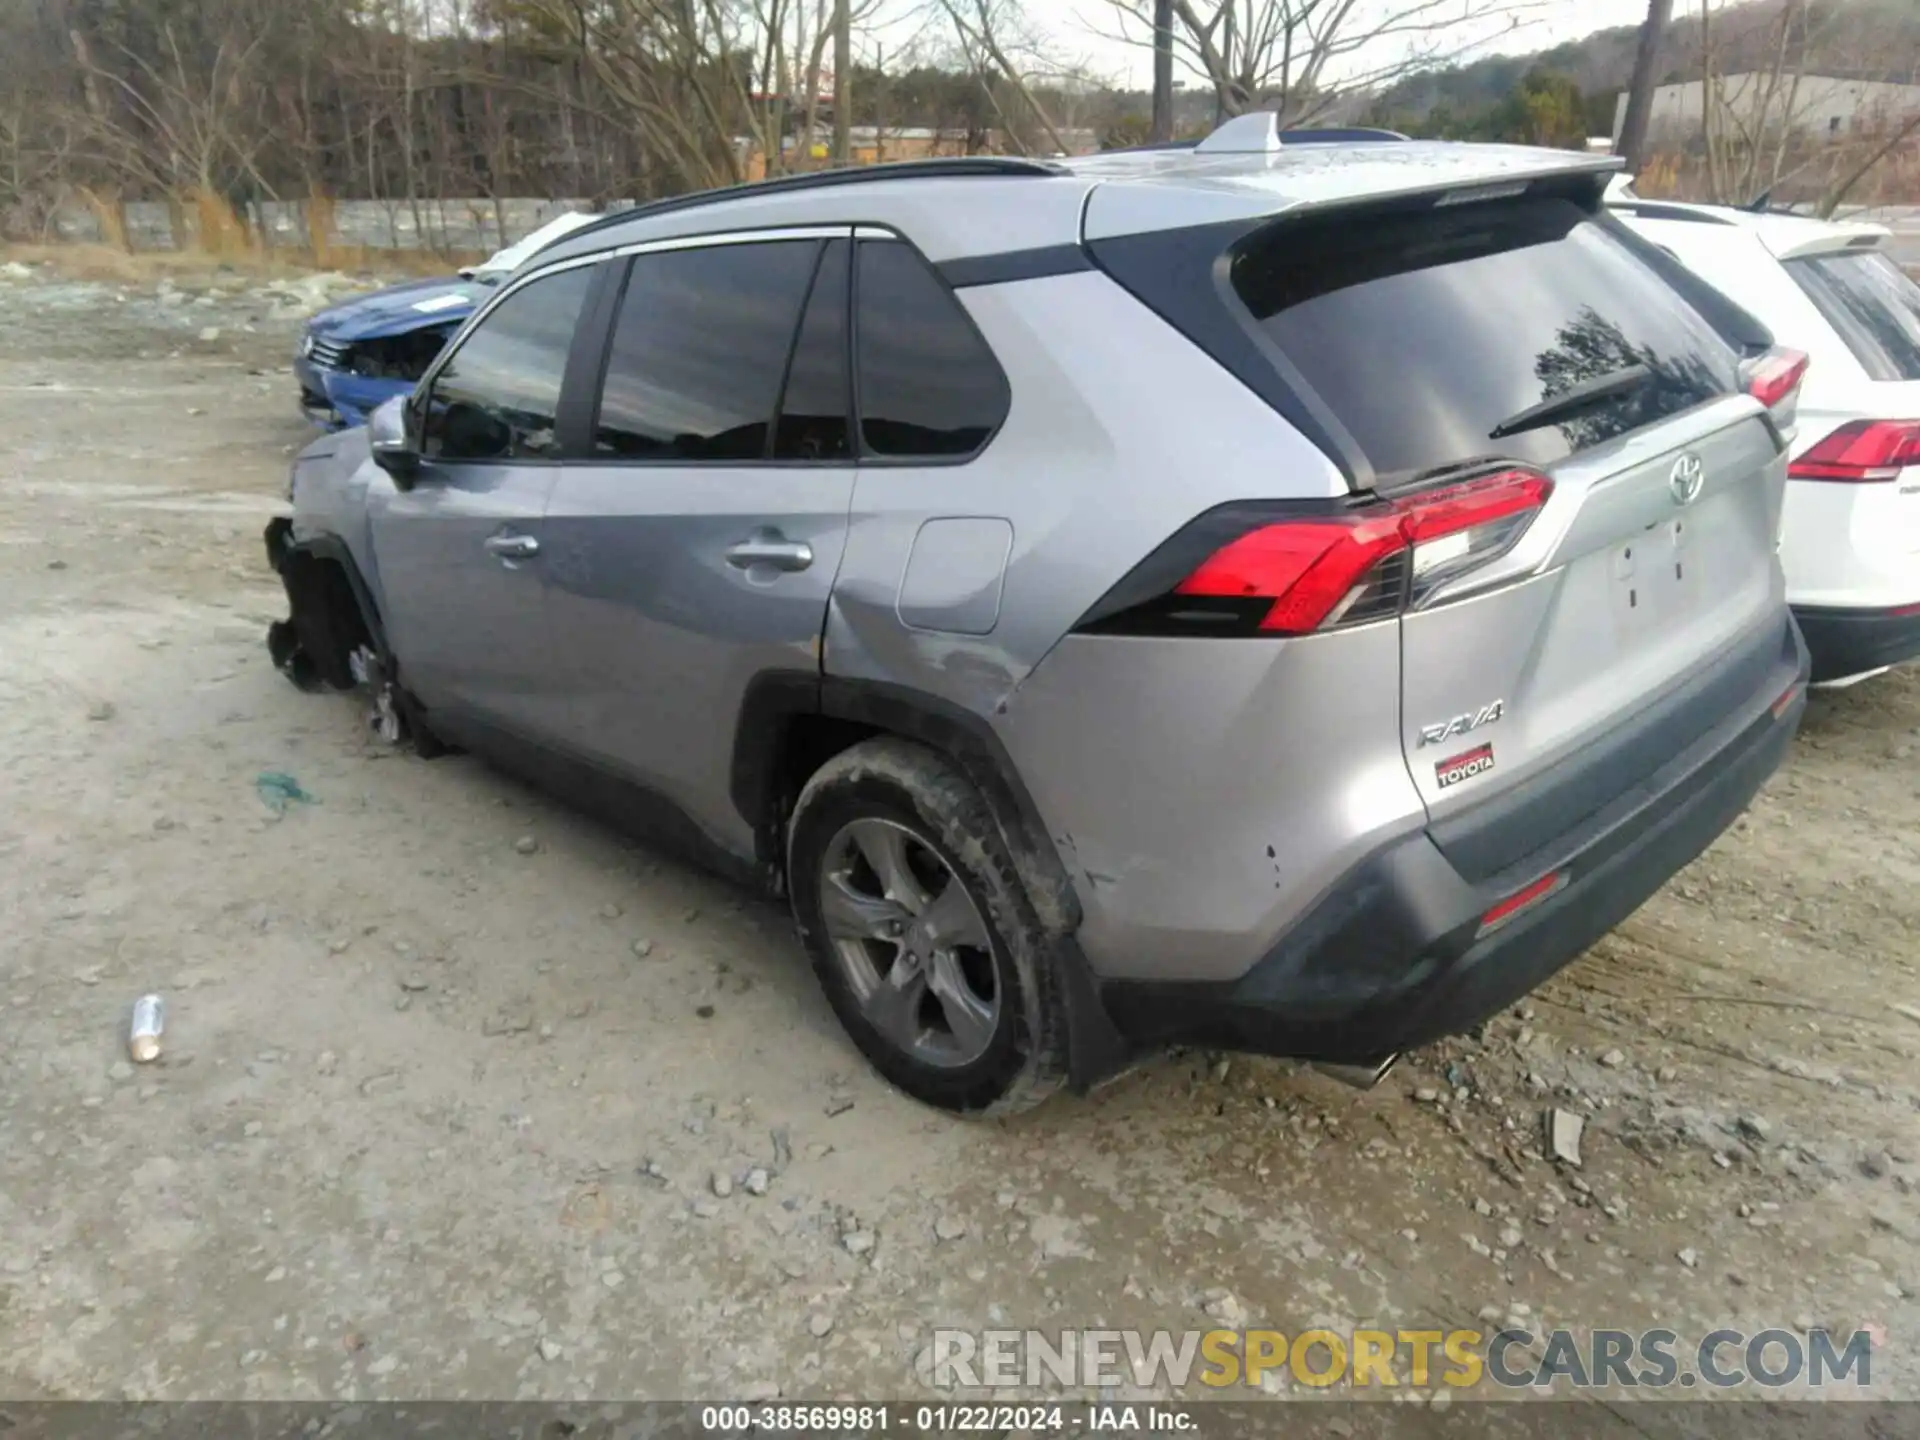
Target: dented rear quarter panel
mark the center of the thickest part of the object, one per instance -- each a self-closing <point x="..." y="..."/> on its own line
<point x="1184" y="784"/>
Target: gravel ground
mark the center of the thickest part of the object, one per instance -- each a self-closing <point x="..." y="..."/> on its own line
<point x="445" y="1114"/>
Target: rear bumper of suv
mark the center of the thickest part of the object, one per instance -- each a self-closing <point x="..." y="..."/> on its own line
<point x="1399" y="952"/>
<point x="1847" y="642"/>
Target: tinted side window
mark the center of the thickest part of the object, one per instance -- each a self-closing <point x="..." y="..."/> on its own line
<point x="1872" y="304"/>
<point x="699" y="349"/>
<point x="496" y="396"/>
<point x="1427" y="333"/>
<point x="818" y="398"/>
<point x="929" y="386"/>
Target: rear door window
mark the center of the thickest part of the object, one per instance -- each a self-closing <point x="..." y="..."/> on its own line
<point x="699" y="351"/>
<point x="818" y="398"/>
<point x="1427" y="333"/>
<point x="1872" y="304"/>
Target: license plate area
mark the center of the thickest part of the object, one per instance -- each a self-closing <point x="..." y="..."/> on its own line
<point x="1658" y="574"/>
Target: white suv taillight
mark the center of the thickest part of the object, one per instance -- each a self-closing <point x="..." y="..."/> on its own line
<point x="1861" y="452"/>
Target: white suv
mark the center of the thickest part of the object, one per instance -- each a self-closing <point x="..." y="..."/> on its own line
<point x="1850" y="538"/>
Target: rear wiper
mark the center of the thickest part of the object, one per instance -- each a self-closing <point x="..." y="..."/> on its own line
<point x="1569" y="402"/>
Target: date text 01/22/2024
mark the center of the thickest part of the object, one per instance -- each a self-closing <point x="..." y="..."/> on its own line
<point x="845" y="1419"/>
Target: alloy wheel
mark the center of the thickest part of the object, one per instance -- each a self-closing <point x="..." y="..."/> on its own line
<point x="913" y="945"/>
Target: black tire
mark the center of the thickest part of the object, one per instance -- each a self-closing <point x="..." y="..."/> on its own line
<point x="912" y="787"/>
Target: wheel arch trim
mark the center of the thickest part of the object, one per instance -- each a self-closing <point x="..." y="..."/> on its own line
<point x="773" y="698"/>
<point x="282" y="543"/>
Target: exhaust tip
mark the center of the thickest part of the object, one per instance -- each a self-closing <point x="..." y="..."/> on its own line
<point x="1360" y="1077"/>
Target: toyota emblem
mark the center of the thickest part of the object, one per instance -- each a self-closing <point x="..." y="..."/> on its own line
<point x="1687" y="477"/>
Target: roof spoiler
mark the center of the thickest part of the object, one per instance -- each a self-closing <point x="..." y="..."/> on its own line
<point x="1845" y="238"/>
<point x="1261" y="131"/>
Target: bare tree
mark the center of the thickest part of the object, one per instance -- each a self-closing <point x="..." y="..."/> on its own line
<point x="996" y="42"/>
<point x="1298" y="57"/>
<point x="181" y="118"/>
<point x="1751" y="128"/>
<point x="1897" y="135"/>
<point x="668" y="69"/>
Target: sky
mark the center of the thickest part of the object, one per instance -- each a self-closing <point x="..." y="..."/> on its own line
<point x="1075" y="27"/>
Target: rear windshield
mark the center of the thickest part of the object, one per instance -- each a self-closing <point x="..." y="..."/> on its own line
<point x="1873" y="305"/>
<point x="1427" y="333"/>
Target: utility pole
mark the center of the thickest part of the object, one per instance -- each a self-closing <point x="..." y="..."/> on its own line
<point x="1632" y="143"/>
<point x="1162" y="128"/>
<point x="843" y="82"/>
<point x="1220" y="92"/>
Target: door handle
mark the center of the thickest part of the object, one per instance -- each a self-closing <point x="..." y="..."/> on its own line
<point x="513" y="547"/>
<point x="770" y="548"/>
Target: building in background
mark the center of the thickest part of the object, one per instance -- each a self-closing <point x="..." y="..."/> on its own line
<point x="1814" y="106"/>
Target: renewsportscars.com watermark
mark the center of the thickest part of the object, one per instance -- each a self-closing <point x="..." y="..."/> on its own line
<point x="1508" y="1359"/>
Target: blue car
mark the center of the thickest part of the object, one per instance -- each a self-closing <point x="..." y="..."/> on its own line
<point x="355" y="355"/>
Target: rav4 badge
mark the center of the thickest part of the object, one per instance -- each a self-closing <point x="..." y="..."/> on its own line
<point x="1462" y="724"/>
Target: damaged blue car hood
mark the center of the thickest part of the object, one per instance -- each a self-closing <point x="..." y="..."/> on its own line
<point x="398" y="309"/>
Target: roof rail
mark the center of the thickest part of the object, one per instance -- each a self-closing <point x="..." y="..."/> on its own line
<point x="1658" y="210"/>
<point x="934" y="169"/>
<point x="1307" y="136"/>
<point x="1150" y="147"/>
<point x="1339" y="135"/>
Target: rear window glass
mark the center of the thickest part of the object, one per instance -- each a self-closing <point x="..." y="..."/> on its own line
<point x="1426" y="334"/>
<point x="1873" y="305"/>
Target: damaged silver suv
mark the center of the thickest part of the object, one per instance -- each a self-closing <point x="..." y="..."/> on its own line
<point x="1290" y="593"/>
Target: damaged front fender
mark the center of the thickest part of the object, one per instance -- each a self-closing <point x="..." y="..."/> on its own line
<point x="332" y="638"/>
<point x="330" y="614"/>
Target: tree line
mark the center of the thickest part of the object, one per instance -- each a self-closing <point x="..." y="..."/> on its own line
<point x="221" y="104"/>
<point x="394" y="99"/>
<point x="238" y="101"/>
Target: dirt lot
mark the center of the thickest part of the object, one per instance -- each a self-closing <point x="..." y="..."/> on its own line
<point x="441" y="1118"/>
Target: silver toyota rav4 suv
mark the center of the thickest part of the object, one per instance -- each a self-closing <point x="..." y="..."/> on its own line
<point x="1290" y="593"/>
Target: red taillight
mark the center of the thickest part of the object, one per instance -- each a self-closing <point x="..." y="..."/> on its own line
<point x="1455" y="508"/>
<point x="1522" y="899"/>
<point x="1317" y="572"/>
<point x="1775" y="375"/>
<point x="1307" y="568"/>
<point x="1862" y="452"/>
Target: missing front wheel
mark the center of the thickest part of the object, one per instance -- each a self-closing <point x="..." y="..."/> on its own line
<point x="386" y="713"/>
